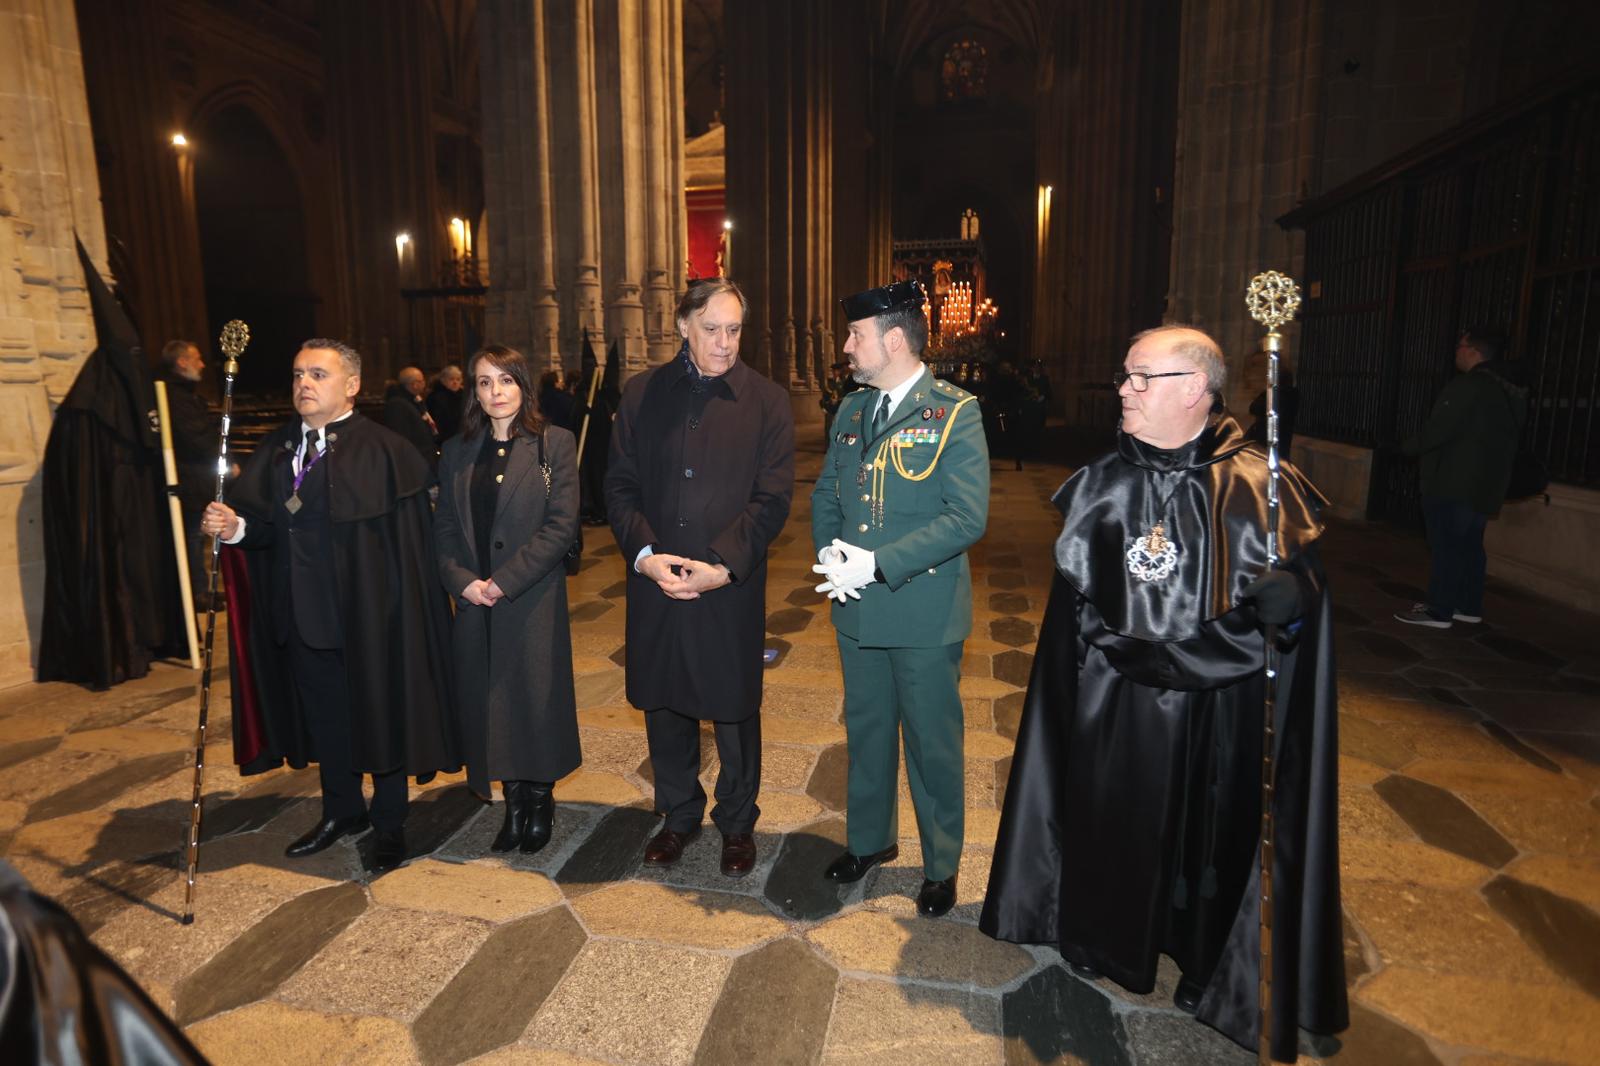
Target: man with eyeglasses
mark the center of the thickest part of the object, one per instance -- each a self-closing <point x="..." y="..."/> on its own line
<point x="1132" y="817"/>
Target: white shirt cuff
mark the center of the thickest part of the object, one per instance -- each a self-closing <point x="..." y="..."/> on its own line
<point x="644" y="553"/>
<point x="238" y="534"/>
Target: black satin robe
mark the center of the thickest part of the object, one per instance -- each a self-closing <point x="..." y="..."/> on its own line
<point x="1132" y="818"/>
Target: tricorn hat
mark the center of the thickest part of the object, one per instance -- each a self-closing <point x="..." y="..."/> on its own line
<point x="882" y="300"/>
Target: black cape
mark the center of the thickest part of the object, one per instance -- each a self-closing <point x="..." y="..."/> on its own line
<point x="112" y="602"/>
<point x="1131" y="821"/>
<point x="396" y="615"/>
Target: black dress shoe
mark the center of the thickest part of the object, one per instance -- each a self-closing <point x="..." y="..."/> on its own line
<point x="738" y="854"/>
<point x="937" y="897"/>
<point x="388" y="850"/>
<point x="541" y="816"/>
<point x="666" y="847"/>
<point x="518" y="809"/>
<point x="325" y="833"/>
<point x="1187" y="997"/>
<point x="848" y="868"/>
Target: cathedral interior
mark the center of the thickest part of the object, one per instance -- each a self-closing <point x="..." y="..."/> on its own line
<point x="420" y="178"/>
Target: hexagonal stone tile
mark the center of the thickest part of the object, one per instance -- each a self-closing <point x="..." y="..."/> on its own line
<point x="1441" y="819"/>
<point x="687" y="917"/>
<point x="482" y="890"/>
<point x="1016" y="632"/>
<point x="919" y="949"/>
<point x="789" y="620"/>
<point x="743" y="1027"/>
<point x="1013" y="667"/>
<point x="277" y="1032"/>
<point x="632" y="1003"/>
<point x="882" y="1023"/>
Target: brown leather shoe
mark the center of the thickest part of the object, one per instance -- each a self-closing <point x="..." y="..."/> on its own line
<point x="738" y="854"/>
<point x="666" y="847"/>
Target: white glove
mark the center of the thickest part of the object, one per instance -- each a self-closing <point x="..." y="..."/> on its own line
<point x="834" y="592"/>
<point x="827" y="555"/>
<point x="857" y="567"/>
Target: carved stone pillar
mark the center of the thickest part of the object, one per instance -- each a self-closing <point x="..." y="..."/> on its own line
<point x="49" y="190"/>
<point x="377" y="64"/>
<point x="1248" y="105"/>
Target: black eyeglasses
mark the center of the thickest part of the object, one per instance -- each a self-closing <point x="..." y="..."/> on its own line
<point x="1141" y="380"/>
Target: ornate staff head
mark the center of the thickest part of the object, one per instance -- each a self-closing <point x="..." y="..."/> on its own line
<point x="1273" y="299"/>
<point x="235" y="336"/>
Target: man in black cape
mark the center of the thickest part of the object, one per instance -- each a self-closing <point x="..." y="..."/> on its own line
<point x="340" y="635"/>
<point x="111" y="602"/>
<point x="1132" y="818"/>
<point x="195" y="438"/>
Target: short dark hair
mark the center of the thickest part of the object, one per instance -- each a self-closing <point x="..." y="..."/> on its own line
<point x="700" y="292"/>
<point x="909" y="320"/>
<point x="514" y="363"/>
<point x="173" y="350"/>
<point x="1489" y="343"/>
<point x="349" y="358"/>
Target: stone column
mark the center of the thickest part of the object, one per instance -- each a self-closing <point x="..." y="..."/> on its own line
<point x="376" y="63"/>
<point x="522" y="308"/>
<point x="49" y="190"/>
<point x="1249" y="83"/>
<point x="582" y="103"/>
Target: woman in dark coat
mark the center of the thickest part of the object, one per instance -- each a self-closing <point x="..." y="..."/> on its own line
<point x="507" y="512"/>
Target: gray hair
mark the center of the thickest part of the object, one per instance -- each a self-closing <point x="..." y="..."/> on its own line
<point x="173" y="350"/>
<point x="700" y="292"/>
<point x="349" y="358"/>
<point x="1201" y="352"/>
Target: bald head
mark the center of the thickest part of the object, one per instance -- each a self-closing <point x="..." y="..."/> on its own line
<point x="413" y="380"/>
<point x="1180" y="369"/>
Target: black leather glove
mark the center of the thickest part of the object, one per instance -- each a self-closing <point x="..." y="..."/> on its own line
<point x="1277" y="596"/>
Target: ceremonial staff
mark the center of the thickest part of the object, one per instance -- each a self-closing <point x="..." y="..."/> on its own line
<point x="235" y="335"/>
<point x="1273" y="299"/>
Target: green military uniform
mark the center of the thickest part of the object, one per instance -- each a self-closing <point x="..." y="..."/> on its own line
<point x="917" y="495"/>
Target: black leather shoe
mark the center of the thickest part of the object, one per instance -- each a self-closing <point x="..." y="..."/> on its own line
<point x="325" y="833"/>
<point x="937" y="897"/>
<point x="848" y="868"/>
<point x="666" y="847"/>
<point x="541" y="816"/>
<point x="1088" y="973"/>
<point x="516" y="823"/>
<point x="1187" y="997"/>
<point x="388" y="850"/>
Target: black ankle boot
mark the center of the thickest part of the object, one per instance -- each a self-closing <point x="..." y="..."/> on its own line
<point x="541" y="815"/>
<point x="516" y="826"/>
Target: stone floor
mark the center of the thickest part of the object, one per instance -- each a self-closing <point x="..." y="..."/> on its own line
<point x="1471" y="859"/>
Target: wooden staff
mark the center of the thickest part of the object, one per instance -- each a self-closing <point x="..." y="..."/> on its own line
<point x="180" y="536"/>
<point x="1273" y="299"/>
<point x="235" y="335"/>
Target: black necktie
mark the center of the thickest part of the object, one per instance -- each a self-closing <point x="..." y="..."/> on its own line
<point x="881" y="419"/>
<point x="313" y="449"/>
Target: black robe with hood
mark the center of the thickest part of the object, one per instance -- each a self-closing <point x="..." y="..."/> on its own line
<point x="111" y="601"/>
<point x="395" y="615"/>
<point x="1131" y="824"/>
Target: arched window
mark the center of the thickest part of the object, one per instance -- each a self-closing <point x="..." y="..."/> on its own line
<point x="965" y="71"/>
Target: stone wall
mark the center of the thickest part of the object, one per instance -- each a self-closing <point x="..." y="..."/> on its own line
<point x="48" y="191"/>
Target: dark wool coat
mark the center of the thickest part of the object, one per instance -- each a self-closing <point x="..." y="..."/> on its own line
<point x="702" y="468"/>
<point x="513" y="661"/>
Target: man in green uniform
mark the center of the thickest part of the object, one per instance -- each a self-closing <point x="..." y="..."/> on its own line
<point x="903" y="493"/>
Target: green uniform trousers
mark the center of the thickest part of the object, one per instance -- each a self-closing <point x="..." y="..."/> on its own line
<point x="915" y="692"/>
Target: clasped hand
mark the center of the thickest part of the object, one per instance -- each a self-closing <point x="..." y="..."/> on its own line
<point x="692" y="578"/>
<point x="848" y="570"/>
<point x="482" y="592"/>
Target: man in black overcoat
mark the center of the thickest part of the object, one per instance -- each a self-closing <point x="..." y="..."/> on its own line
<point x="406" y="413"/>
<point x="341" y="636"/>
<point x="699" y="482"/>
<point x="1131" y="825"/>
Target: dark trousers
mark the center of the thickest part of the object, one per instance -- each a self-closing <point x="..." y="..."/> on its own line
<point x="323" y="688"/>
<point x="674" y="741"/>
<point x="1455" y="543"/>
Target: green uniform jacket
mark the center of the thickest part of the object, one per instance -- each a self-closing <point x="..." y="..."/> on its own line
<point x="922" y="533"/>
<point x="1467" y="446"/>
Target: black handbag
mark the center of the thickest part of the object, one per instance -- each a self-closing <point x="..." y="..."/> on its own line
<point x="573" y="560"/>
